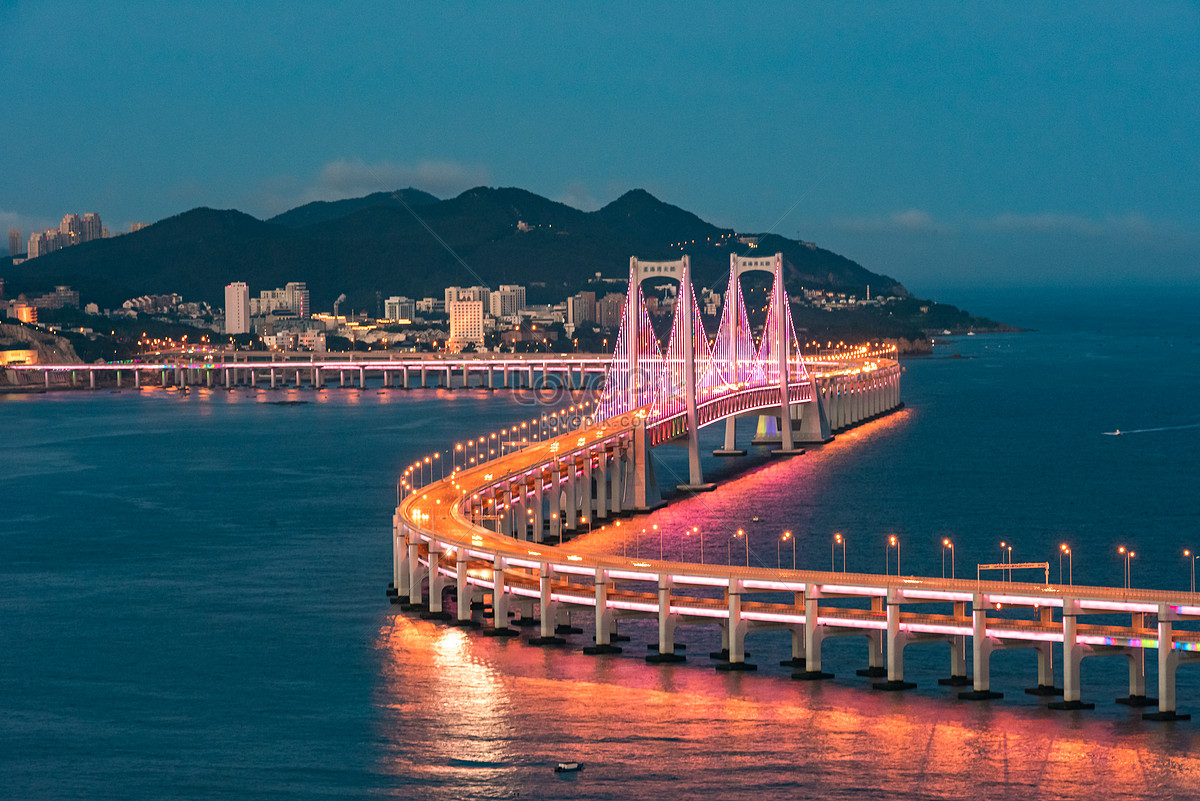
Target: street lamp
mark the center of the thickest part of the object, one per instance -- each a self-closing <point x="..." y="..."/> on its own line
<point x="838" y="539"/>
<point x="1064" y="550"/>
<point x="1006" y="551"/>
<point x="1128" y="554"/>
<point x="696" y="530"/>
<point x="1192" y="558"/>
<point x="893" y="542"/>
<point x="787" y="535"/>
<point x="947" y="545"/>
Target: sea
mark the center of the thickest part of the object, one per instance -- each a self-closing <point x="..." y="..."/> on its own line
<point x="192" y="589"/>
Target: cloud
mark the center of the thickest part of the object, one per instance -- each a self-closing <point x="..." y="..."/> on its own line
<point x="909" y="220"/>
<point x="344" y="178"/>
<point x="1127" y="226"/>
<point x="576" y="195"/>
<point x="25" y="224"/>
<point x="354" y="177"/>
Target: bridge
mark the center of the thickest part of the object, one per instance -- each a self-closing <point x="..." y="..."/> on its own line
<point x="316" y="371"/>
<point x="494" y="531"/>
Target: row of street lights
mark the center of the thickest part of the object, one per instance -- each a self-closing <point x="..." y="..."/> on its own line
<point x="893" y="542"/>
<point x="481" y="449"/>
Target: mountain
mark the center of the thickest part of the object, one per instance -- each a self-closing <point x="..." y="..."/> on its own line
<point x="375" y="244"/>
<point x="323" y="210"/>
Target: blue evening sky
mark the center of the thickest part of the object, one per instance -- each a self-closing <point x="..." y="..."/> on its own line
<point x="947" y="144"/>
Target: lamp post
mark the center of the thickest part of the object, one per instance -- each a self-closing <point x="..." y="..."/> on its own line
<point x="893" y="542"/>
<point x="1192" y="559"/>
<point x="1128" y="555"/>
<point x="1006" y="554"/>
<point x="838" y="539"/>
<point x="696" y="530"/>
<point x="947" y="545"/>
<point x="1063" y="550"/>
<point x="787" y="535"/>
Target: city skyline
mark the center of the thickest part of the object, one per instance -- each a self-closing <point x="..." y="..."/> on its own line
<point x="1018" y="146"/>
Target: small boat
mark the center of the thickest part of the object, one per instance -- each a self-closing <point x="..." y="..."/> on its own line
<point x="754" y="519"/>
<point x="567" y="767"/>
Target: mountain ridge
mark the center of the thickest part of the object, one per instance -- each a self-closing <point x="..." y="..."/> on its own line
<point x="378" y="244"/>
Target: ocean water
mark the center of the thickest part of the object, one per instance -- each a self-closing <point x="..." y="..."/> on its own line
<point x="192" y="591"/>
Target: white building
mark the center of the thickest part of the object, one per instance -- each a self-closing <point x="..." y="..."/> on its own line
<point x="293" y="297"/>
<point x="399" y="308"/>
<point x="466" y="322"/>
<point x="237" y="308"/>
<point x="479" y="293"/>
<point x="507" y="300"/>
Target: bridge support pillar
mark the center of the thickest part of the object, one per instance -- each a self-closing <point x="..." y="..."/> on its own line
<point x="588" y="499"/>
<point x="571" y="506"/>
<point x="436" y="583"/>
<point x="1073" y="654"/>
<point x="1045" y="665"/>
<point x="958" y="653"/>
<point x="814" y="419"/>
<point x="548" y="610"/>
<point x="666" y="626"/>
<point x="730" y="447"/>
<point x="642" y="489"/>
<point x="604" y="619"/>
<point x="814" y="634"/>
<point x="982" y="647"/>
<point x="618" y="466"/>
<point x="400" y="569"/>
<point x="896" y="640"/>
<point x="466" y="592"/>
<point x="1137" y="675"/>
<point x="501" y="600"/>
<point x="602" y="483"/>
<point x="415" y="573"/>
<point x="876" y="654"/>
<point x="538" y="519"/>
<point x="736" y="631"/>
<point x="1168" y="661"/>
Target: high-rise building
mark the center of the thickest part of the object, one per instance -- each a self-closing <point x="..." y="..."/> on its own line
<point x="507" y="300"/>
<point x="237" y="308"/>
<point x="399" y="308"/>
<point x="581" y="308"/>
<point x="14" y="242"/>
<point x="91" y="227"/>
<point x="608" y="310"/>
<point x="36" y="246"/>
<point x="137" y="226"/>
<point x="72" y="228"/>
<point x="466" y="322"/>
<point x="479" y="293"/>
<point x="293" y="297"/>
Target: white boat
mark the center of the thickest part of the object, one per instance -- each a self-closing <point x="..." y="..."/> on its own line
<point x="567" y="767"/>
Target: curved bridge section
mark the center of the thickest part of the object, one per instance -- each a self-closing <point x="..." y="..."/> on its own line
<point x="484" y="534"/>
<point x="478" y="535"/>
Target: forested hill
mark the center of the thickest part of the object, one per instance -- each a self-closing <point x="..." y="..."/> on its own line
<point x="410" y="243"/>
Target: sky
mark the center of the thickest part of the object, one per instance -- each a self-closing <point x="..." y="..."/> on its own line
<point x="945" y="144"/>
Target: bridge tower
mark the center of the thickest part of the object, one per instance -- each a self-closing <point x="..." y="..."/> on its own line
<point x="777" y="339"/>
<point x="682" y="328"/>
